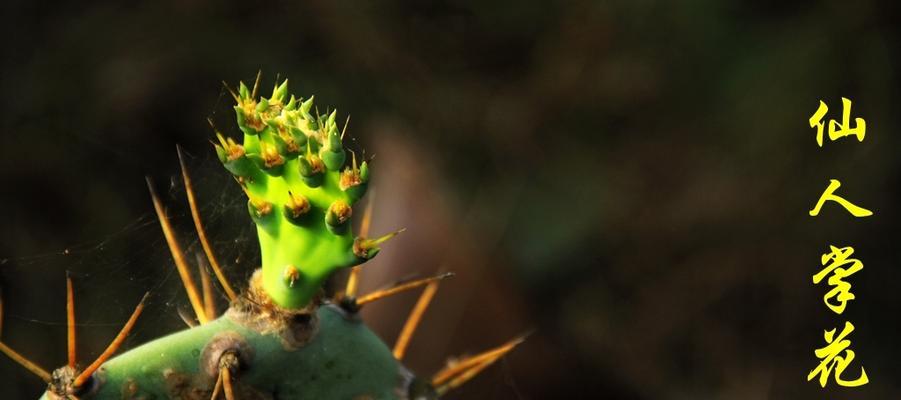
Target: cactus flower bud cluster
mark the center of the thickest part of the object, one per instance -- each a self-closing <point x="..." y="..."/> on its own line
<point x="301" y="186"/>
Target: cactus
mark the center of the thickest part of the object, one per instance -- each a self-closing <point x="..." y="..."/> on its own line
<point x="301" y="195"/>
<point x="279" y="337"/>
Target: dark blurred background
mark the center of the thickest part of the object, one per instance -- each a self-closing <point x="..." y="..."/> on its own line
<point x="628" y="180"/>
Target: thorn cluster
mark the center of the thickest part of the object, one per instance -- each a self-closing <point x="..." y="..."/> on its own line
<point x="301" y="189"/>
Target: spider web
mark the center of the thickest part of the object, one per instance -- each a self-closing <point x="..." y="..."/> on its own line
<point x="110" y="275"/>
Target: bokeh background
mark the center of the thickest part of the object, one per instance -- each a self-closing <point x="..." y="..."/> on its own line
<point x="627" y="180"/>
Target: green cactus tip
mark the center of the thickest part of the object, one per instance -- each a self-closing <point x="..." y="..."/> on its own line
<point x="291" y="165"/>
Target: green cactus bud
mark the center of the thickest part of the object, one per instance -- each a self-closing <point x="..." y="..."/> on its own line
<point x="278" y="141"/>
<point x="291" y="148"/>
<point x="333" y="160"/>
<point x="243" y="91"/>
<point x="366" y="249"/>
<point x="337" y="216"/>
<point x="241" y="166"/>
<point x="262" y="106"/>
<point x="356" y="192"/>
<point x="364" y="172"/>
<point x="312" y="230"/>
<point x="221" y="153"/>
<point x="306" y="167"/>
<point x="279" y="92"/>
<point x="260" y="211"/>
<point x="233" y="158"/>
<point x="306" y="106"/>
<point x="364" y="253"/>
<point x="289" y="139"/>
<point x="290" y="276"/>
<point x="268" y="160"/>
<point x="300" y="139"/>
<point x="334" y="138"/>
<point x="311" y="171"/>
<point x="242" y="121"/>
<point x="330" y="123"/>
<point x="297" y="208"/>
<point x="332" y="153"/>
<point x="354" y="181"/>
<point x="249" y="121"/>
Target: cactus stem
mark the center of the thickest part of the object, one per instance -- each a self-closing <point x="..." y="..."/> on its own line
<point x="406" y="333"/>
<point x="177" y="255"/>
<point x="113" y="346"/>
<point x="201" y="232"/>
<point x="400" y="288"/>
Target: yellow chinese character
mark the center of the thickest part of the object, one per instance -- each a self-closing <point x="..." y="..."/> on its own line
<point x="828" y="194"/>
<point x="830" y="358"/>
<point x="841" y="289"/>
<point x="837" y="130"/>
